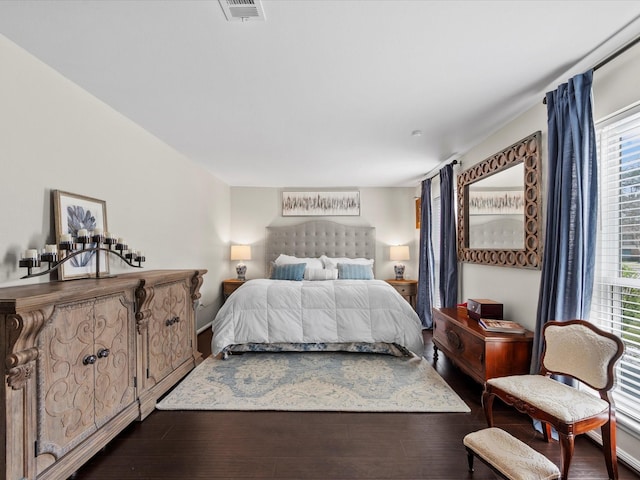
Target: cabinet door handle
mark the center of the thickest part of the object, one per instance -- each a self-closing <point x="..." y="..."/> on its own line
<point x="103" y="353"/>
<point x="176" y="319"/>
<point x="89" y="360"/>
<point x="171" y="321"/>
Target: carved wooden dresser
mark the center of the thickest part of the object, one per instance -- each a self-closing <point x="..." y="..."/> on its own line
<point x="84" y="358"/>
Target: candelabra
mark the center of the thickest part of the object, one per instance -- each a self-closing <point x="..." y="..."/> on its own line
<point x="67" y="248"/>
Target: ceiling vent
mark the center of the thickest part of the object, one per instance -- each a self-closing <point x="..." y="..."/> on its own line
<point x="243" y="10"/>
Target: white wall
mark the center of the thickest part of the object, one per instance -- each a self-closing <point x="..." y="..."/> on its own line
<point x="390" y="210"/>
<point x="57" y="136"/>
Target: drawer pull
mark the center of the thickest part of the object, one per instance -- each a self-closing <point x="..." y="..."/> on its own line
<point x="103" y="353"/>
<point x="89" y="360"/>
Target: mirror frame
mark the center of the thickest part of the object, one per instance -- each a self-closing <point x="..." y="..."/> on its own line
<point x="525" y="151"/>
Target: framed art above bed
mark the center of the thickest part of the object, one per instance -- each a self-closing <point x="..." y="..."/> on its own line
<point x="306" y="204"/>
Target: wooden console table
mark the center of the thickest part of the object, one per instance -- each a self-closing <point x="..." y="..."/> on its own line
<point x="84" y="358"/>
<point x="478" y="353"/>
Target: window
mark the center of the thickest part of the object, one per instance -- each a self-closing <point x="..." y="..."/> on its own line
<point x="616" y="297"/>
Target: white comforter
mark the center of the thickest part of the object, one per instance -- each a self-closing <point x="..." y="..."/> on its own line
<point x="330" y="311"/>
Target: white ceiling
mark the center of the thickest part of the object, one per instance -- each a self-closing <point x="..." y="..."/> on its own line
<point x="323" y="93"/>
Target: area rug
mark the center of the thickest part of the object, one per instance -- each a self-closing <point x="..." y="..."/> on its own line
<point x="320" y="381"/>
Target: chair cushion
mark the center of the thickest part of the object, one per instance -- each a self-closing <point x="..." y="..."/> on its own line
<point x="562" y="401"/>
<point x="515" y="459"/>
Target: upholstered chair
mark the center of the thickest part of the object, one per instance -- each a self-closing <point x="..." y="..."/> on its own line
<point x="578" y="350"/>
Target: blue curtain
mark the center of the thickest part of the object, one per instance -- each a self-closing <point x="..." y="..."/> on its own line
<point x="426" y="272"/>
<point x="448" y="243"/>
<point x="571" y="225"/>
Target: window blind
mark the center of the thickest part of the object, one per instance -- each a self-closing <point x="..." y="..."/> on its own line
<point x="615" y="304"/>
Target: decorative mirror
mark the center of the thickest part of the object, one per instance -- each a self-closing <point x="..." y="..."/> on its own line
<point x="499" y="208"/>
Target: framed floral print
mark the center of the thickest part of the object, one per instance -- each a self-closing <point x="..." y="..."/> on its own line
<point x="76" y="212"/>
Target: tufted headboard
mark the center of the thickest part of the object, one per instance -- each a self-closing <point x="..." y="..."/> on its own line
<point x="320" y="237"/>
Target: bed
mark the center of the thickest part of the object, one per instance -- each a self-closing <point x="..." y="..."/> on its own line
<point x="320" y="294"/>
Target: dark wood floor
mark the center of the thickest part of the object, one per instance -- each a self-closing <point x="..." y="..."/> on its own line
<point x="289" y="445"/>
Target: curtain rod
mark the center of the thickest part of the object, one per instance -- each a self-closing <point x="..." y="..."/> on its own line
<point x="617" y="53"/>
<point x="455" y="162"/>
<point x="611" y="57"/>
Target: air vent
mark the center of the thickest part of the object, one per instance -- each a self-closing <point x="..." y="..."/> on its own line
<point x="242" y="10"/>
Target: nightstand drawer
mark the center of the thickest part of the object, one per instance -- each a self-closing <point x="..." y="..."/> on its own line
<point x="404" y="290"/>
<point x="229" y="286"/>
<point x="407" y="288"/>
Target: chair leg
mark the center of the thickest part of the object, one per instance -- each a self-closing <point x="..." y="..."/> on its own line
<point x="487" y="404"/>
<point x="546" y="432"/>
<point x="609" y="446"/>
<point x="470" y="459"/>
<point x="566" y="449"/>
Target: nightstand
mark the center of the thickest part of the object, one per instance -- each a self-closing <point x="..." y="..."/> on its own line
<point x="407" y="288"/>
<point x="229" y="286"/>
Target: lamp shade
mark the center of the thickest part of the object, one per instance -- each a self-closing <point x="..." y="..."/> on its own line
<point x="399" y="252"/>
<point x="240" y="252"/>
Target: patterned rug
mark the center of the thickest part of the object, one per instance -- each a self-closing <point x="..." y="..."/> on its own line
<point x="354" y="382"/>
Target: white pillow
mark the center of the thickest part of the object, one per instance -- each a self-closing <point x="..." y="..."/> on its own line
<point x="288" y="259"/>
<point x="333" y="262"/>
<point x="321" y="274"/>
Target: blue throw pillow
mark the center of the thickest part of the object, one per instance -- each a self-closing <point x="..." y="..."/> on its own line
<point x="290" y="271"/>
<point x="352" y="271"/>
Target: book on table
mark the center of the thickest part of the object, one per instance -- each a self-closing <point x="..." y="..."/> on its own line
<point x="501" y="326"/>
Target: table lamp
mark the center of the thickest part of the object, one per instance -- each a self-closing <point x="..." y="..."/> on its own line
<point x="241" y="252"/>
<point x="398" y="253"/>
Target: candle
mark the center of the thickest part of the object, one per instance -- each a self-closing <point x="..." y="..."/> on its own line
<point x="97" y="231"/>
<point x="83" y="232"/>
<point x="31" y="253"/>
<point x="51" y="249"/>
<point x="109" y="235"/>
<point x="65" y="238"/>
<point x="122" y="241"/>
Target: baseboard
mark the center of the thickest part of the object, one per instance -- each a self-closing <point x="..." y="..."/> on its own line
<point x="206" y="326"/>
<point x="623" y="455"/>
